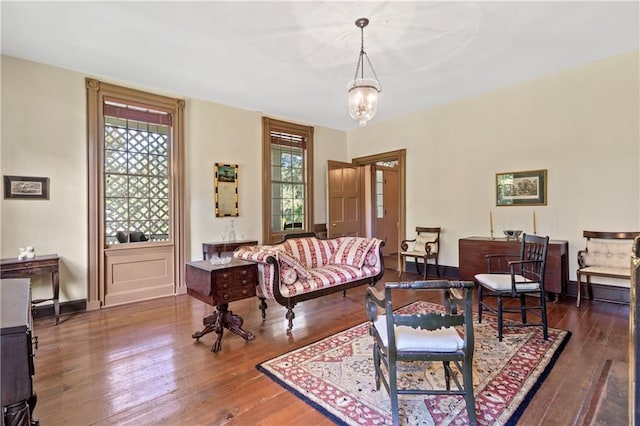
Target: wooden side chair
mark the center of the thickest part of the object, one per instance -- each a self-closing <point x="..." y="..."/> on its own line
<point x="401" y="338"/>
<point x="516" y="276"/>
<point x="425" y="246"/>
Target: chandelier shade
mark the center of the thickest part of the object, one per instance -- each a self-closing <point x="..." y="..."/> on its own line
<point x="362" y="93"/>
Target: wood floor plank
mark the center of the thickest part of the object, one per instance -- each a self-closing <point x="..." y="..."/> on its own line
<point x="137" y="364"/>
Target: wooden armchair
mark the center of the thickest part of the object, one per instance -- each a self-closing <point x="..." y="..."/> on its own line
<point x="516" y="276"/>
<point x="425" y="246"/>
<point x="401" y="339"/>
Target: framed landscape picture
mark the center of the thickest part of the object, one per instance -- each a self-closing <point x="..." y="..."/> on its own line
<point x="226" y="189"/>
<point x="528" y="188"/>
<point x="26" y="187"/>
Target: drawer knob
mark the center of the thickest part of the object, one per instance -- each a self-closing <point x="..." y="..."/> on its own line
<point x="225" y="296"/>
<point x="225" y="286"/>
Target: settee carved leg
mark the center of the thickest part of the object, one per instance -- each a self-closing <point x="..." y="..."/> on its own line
<point x="263" y="307"/>
<point x="290" y="316"/>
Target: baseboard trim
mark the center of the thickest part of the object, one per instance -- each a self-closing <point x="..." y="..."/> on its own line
<point x="70" y="307"/>
<point x="448" y="272"/>
<point x="601" y="292"/>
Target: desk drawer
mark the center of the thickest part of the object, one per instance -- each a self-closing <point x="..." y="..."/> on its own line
<point x="235" y="293"/>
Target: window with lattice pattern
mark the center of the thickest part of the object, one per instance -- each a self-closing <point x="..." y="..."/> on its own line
<point x="136" y="175"/>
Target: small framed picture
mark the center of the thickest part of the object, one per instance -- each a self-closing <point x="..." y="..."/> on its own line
<point x="26" y="187"/>
<point x="527" y="188"/>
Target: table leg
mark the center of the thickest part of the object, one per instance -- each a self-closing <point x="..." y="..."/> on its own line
<point x="234" y="323"/>
<point x="218" y="321"/>
<point x="55" y="282"/>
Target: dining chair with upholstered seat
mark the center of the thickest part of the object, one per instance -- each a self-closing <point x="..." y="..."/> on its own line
<point x="425" y="246"/>
<point x="445" y="336"/>
<point x="516" y="276"/>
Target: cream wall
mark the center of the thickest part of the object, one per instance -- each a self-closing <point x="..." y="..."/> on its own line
<point x="582" y="125"/>
<point x="217" y="133"/>
<point x="44" y="134"/>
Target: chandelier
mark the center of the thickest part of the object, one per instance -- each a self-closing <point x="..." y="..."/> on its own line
<point x="363" y="92"/>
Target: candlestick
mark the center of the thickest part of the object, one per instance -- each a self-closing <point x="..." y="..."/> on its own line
<point x="534" y="222"/>
<point x="491" y="222"/>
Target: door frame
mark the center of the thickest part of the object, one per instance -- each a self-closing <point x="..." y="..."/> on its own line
<point x="400" y="156"/>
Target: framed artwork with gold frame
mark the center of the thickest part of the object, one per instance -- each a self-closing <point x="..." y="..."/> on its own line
<point x="225" y="183"/>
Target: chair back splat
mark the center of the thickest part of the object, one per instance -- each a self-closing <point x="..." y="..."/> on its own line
<point x="510" y="275"/>
<point x="445" y="336"/>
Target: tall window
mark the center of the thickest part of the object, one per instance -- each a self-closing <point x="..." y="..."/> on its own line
<point x="288" y="165"/>
<point x="136" y="173"/>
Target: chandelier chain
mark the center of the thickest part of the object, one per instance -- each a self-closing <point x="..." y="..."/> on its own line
<point x="360" y="64"/>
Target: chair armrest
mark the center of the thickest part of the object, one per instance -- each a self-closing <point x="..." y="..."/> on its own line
<point x="373" y="300"/>
<point x="404" y="246"/>
<point x="581" y="255"/>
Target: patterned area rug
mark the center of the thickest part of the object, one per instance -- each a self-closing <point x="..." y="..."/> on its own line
<point x="336" y="376"/>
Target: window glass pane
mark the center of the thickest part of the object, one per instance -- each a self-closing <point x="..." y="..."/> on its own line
<point x="137" y="181"/>
<point x="288" y="173"/>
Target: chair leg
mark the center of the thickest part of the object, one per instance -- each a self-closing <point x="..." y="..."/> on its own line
<point x="437" y="268"/>
<point x="393" y="393"/>
<point x="447" y="374"/>
<point x="499" y="317"/>
<point x="543" y="306"/>
<point x="400" y="265"/>
<point x="523" y="308"/>
<point x="589" y="288"/>
<point x="415" y="259"/>
<point x="479" y="304"/>
<point x="579" y="286"/>
<point x="426" y="268"/>
<point x="467" y="378"/>
<point x="376" y="364"/>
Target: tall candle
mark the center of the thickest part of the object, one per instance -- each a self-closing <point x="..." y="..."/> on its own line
<point x="534" y="222"/>
<point x="491" y="221"/>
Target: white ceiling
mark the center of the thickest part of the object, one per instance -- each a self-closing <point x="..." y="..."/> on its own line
<point x="294" y="59"/>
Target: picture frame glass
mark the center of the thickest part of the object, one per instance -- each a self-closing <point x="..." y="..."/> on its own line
<point x="527" y="188"/>
<point x="26" y="187"/>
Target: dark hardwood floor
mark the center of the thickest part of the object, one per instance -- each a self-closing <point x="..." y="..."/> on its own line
<point x="137" y="364"/>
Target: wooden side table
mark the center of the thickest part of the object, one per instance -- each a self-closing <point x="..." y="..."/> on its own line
<point x="218" y="285"/>
<point x="39" y="265"/>
<point x="225" y="246"/>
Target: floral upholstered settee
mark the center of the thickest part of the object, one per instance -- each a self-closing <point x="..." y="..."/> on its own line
<point x="304" y="267"/>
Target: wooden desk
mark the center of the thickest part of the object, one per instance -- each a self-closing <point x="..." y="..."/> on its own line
<point x="218" y="285"/>
<point x="225" y="246"/>
<point x="471" y="260"/>
<point x="40" y="265"/>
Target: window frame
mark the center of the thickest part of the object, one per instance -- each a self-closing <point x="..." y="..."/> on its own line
<point x="96" y="92"/>
<point x="271" y="125"/>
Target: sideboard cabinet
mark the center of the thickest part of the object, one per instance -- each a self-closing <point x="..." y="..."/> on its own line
<point x="472" y="261"/>
<point x="16" y="363"/>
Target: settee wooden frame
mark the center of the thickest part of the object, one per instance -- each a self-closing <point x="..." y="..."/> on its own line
<point x="600" y="235"/>
<point x="291" y="301"/>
